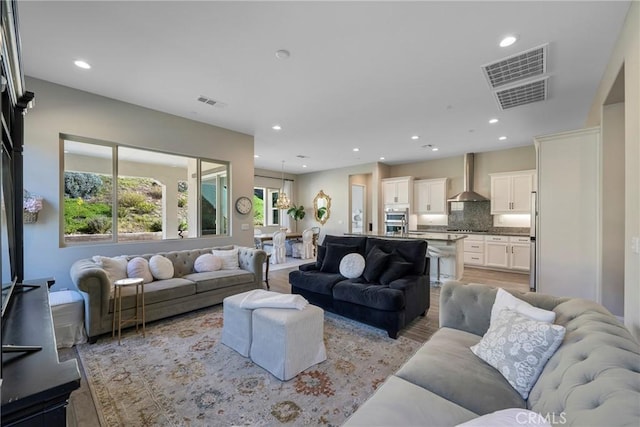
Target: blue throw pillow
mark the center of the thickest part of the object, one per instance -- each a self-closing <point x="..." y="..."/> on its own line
<point x="333" y="256"/>
<point x="375" y="264"/>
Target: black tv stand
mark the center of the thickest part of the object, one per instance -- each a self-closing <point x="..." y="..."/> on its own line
<point x="25" y="286"/>
<point x="11" y="348"/>
<point x="35" y="384"/>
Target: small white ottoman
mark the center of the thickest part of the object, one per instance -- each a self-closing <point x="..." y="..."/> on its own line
<point x="236" y="330"/>
<point x="288" y="341"/>
<point x="67" y="310"/>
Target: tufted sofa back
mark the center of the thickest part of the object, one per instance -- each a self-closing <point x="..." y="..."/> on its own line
<point x="593" y="379"/>
<point x="182" y="260"/>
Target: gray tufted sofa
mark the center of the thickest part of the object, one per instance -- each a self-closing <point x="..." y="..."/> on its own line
<point x="186" y="291"/>
<point x="593" y="379"/>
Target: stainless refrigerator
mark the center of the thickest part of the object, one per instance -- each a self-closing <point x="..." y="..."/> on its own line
<point x="533" y="273"/>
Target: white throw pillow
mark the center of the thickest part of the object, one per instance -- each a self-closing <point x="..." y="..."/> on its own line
<point x="352" y="265"/>
<point x="505" y="300"/>
<point x="207" y="262"/>
<point x="161" y="267"/>
<point x="116" y="268"/>
<point x="519" y="347"/>
<point x="138" y="267"/>
<point x="229" y="258"/>
<point x="509" y="418"/>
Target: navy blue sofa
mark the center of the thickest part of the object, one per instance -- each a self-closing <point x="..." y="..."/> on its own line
<point x="393" y="290"/>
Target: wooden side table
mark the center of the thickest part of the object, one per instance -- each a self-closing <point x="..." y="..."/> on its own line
<point x="117" y="305"/>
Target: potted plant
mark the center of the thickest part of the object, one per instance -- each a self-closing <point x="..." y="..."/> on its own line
<point x="296" y="212"/>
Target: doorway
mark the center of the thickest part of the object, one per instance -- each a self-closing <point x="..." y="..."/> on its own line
<point x="358" y="211"/>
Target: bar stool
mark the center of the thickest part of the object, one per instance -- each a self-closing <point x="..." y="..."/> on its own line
<point x="438" y="253"/>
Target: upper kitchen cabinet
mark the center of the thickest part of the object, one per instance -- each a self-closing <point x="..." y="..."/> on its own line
<point x="511" y="192"/>
<point x="397" y="192"/>
<point x="430" y="196"/>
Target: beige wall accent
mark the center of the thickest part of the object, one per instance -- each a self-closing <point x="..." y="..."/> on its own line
<point x="626" y="53"/>
<point x="60" y="109"/>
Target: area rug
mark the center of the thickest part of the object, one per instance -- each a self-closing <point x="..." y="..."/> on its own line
<point x="181" y="375"/>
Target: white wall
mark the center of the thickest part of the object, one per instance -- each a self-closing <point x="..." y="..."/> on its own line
<point x="627" y="52"/>
<point x="60" y="109"/>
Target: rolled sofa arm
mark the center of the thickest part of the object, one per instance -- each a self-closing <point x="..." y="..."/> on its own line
<point x="93" y="283"/>
<point x="252" y="260"/>
<point x="466" y="307"/>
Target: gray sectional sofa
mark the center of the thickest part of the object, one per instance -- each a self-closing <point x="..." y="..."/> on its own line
<point x="593" y="379"/>
<point x="186" y="291"/>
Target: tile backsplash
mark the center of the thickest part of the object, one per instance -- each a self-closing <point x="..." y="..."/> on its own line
<point x="470" y="215"/>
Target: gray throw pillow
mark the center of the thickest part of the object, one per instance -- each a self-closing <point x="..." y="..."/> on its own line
<point x="519" y="347"/>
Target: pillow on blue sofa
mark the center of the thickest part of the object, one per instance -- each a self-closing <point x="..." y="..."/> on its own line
<point x="375" y="264"/>
<point x="333" y="256"/>
<point x="322" y="251"/>
<point x="352" y="265"/>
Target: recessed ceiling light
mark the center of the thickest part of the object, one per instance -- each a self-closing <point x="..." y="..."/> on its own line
<point x="304" y="166"/>
<point x="283" y="54"/>
<point x="492" y="121"/>
<point x="381" y="158"/>
<point x="276" y="127"/>
<point x="356" y="149"/>
<point x="502" y="138"/>
<point x="434" y="149"/>
<point x="255" y="156"/>
<point x="415" y="137"/>
<point x="508" y="41"/>
<point x="82" y="64"/>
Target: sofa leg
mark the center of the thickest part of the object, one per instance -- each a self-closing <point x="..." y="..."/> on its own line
<point x="423" y="314"/>
<point x="392" y="334"/>
<point x="93" y="340"/>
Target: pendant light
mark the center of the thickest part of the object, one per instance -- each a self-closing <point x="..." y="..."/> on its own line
<point x="283" y="201"/>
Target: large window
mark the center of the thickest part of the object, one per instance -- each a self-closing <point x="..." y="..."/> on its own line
<point x="139" y="194"/>
<point x="265" y="212"/>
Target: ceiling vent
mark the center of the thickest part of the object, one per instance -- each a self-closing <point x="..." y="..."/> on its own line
<point x="523" y="94"/>
<point x="211" y="102"/>
<point x="524" y="65"/>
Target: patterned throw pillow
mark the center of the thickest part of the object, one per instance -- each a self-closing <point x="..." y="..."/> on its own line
<point x="161" y="267"/>
<point x="519" y="347"/>
<point x="229" y="258"/>
<point x="352" y="265"/>
<point x="139" y="267"/>
<point x="207" y="262"/>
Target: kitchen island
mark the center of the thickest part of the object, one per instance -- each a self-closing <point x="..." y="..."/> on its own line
<point x="451" y="268"/>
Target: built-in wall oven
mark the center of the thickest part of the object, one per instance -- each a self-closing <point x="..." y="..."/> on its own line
<point x="396" y="221"/>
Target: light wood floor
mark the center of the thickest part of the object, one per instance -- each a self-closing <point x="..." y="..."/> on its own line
<point x="82" y="412"/>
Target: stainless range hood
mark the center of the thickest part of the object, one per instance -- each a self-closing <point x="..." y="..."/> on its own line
<point x="468" y="195"/>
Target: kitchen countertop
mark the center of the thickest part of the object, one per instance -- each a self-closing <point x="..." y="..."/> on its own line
<point x="422" y="235"/>
<point x="484" y="233"/>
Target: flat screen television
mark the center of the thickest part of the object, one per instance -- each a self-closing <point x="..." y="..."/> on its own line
<point x="7" y="228"/>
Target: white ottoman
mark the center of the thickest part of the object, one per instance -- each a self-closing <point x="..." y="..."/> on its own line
<point x="236" y="329"/>
<point x="67" y="310"/>
<point x="287" y="341"/>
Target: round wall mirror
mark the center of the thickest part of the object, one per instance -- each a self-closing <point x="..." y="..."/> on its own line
<point x="322" y="207"/>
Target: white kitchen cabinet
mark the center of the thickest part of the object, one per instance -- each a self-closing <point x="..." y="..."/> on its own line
<point x="569" y="233"/>
<point x="496" y="251"/>
<point x="430" y="196"/>
<point x="511" y="192"/>
<point x="474" y="250"/>
<point x="397" y="191"/>
<point x="520" y="251"/>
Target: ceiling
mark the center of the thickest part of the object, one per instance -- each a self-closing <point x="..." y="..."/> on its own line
<point x="365" y="75"/>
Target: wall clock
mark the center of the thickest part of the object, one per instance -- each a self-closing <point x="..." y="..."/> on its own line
<point x="244" y="205"/>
